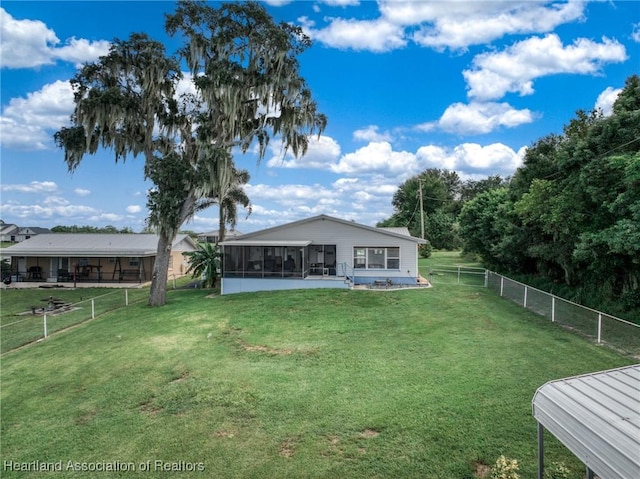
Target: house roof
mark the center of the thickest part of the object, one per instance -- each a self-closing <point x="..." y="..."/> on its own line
<point x="396" y="232"/>
<point x="93" y="245"/>
<point x="597" y="417"/>
<point x="6" y="228"/>
<point x="33" y="230"/>
<point x="258" y="242"/>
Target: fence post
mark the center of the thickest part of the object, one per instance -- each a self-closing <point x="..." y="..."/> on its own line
<point x="93" y="309"/>
<point x="44" y="316"/>
<point x="458" y="274"/>
<point x="501" y="285"/>
<point x="553" y="309"/>
<point x="599" y="326"/>
<point x="525" y="297"/>
<point x="486" y="278"/>
<point x="126" y="297"/>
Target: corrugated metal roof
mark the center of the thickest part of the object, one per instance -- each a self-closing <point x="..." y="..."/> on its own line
<point x="90" y="245"/>
<point x="597" y="417"/>
<point x="401" y="230"/>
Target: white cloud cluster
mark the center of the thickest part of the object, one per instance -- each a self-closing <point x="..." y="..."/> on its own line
<point x="478" y="118"/>
<point x="458" y="25"/>
<point x="49" y="207"/>
<point x="513" y="70"/>
<point x="33" y="187"/>
<point x="30" y="43"/>
<point x="447" y="24"/>
<point x="321" y="150"/>
<point x="373" y="35"/>
<point x="606" y="99"/>
<point x="27" y="122"/>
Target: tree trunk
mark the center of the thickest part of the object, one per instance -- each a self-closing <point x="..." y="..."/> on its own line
<point x="158" y="294"/>
<point x="221" y="225"/>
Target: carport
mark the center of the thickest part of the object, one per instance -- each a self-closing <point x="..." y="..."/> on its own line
<point x="597" y="417"/>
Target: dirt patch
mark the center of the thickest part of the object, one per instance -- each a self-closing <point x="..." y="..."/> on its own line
<point x="369" y="433"/>
<point x="150" y="408"/>
<point x="85" y="418"/>
<point x="286" y="449"/>
<point x="225" y="434"/>
<point x="184" y="375"/>
<point x="482" y="471"/>
<point x="263" y="349"/>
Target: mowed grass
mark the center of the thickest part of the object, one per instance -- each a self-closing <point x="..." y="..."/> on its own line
<point x="424" y="383"/>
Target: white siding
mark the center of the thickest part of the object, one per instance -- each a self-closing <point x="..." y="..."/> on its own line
<point x="346" y="237"/>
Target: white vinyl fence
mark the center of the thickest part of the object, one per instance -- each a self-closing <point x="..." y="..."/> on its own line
<point x="600" y="327"/>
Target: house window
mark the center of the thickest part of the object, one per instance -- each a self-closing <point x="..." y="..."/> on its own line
<point x="376" y="258"/>
<point x="134" y="262"/>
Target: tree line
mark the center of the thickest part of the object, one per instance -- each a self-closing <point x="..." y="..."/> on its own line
<point x="568" y="217"/>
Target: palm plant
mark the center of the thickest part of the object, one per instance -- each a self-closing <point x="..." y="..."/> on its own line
<point x="205" y="263"/>
<point x="230" y="195"/>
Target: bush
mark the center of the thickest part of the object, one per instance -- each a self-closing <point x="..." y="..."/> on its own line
<point x="425" y="250"/>
<point x="505" y="469"/>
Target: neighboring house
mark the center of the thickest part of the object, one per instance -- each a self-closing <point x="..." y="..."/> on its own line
<point x="11" y="233"/>
<point x="8" y="232"/>
<point x="319" y="252"/>
<point x="93" y="257"/>
<point x="213" y="236"/>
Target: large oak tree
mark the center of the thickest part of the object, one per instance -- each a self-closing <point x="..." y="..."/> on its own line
<point x="248" y="89"/>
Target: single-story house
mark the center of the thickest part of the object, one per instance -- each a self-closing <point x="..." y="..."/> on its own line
<point x="213" y="236"/>
<point x="319" y="252"/>
<point x="60" y="257"/>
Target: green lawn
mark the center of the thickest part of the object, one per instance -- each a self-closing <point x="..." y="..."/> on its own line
<point x="304" y="384"/>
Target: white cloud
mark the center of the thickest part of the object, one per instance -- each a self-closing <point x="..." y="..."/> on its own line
<point x="51" y="208"/>
<point x="321" y="153"/>
<point x="371" y="133"/>
<point x="341" y="3"/>
<point x="374" y="35"/>
<point x="133" y="209"/>
<point x="33" y="187"/>
<point x="377" y="157"/>
<point x="82" y="192"/>
<point x="30" y="43"/>
<point x="478" y="118"/>
<point x="635" y="33"/>
<point x="471" y="158"/>
<point x="606" y="99"/>
<point x="457" y="25"/>
<point x="439" y="25"/>
<point x="28" y="123"/>
<point x="514" y="69"/>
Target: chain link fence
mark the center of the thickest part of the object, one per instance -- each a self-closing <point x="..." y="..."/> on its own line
<point x="602" y="328"/>
<point x="462" y="275"/>
<point x="40" y="322"/>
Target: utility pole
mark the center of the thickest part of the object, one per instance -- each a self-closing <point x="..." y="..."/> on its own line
<point x="421" y="209"/>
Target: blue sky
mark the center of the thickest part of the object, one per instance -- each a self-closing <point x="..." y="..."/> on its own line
<point x="406" y="86"/>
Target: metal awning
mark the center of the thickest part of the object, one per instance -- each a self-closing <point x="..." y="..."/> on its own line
<point x="597" y="417"/>
<point x="268" y="243"/>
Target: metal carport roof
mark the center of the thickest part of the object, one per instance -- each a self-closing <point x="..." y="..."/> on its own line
<point x="597" y="417"/>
